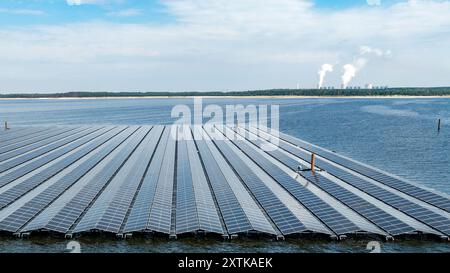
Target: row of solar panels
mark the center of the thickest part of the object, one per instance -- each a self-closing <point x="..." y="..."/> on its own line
<point x="120" y="179"/>
<point x="431" y="216"/>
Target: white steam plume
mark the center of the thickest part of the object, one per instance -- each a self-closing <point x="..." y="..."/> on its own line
<point x="323" y="72"/>
<point x="364" y="50"/>
<point x="350" y="70"/>
<point x="349" y="74"/>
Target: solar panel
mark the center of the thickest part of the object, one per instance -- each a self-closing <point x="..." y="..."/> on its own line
<point x="139" y="215"/>
<point x="120" y="179"/>
<point x="380" y="218"/>
<point x="233" y="215"/>
<point x="186" y="209"/>
<point x="109" y="210"/>
<point x="412" y="209"/>
<point x="283" y="218"/>
<point x="334" y="220"/>
<point x="14" y="130"/>
<point x="34" y="164"/>
<point x="208" y="217"/>
<point x="161" y="210"/>
<point x="36" y="206"/>
<point x="8" y="140"/>
<point x="26" y="149"/>
<point x="71" y="212"/>
<point x="40" y="151"/>
<point x="10" y="195"/>
<point x="33" y="139"/>
<point x="13" y="136"/>
<point x="403" y="186"/>
<point x="238" y="208"/>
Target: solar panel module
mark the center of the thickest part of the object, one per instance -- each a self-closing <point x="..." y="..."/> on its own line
<point x="140" y="179"/>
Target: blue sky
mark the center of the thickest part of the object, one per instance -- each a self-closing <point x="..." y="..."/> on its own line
<point x="128" y="11"/>
<point x="179" y="45"/>
<point x="58" y="11"/>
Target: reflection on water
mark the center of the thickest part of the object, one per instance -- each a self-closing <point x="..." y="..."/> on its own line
<point x="396" y="135"/>
<point x="388" y="111"/>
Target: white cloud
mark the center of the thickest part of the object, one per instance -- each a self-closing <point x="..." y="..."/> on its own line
<point x="125" y="13"/>
<point x="94" y="2"/>
<point x="374" y="2"/>
<point x="224" y="44"/>
<point x="22" y="11"/>
<point x="81" y="2"/>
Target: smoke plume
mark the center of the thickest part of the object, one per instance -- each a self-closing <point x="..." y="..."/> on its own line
<point x="349" y="74"/>
<point x="323" y="72"/>
<point x="360" y="62"/>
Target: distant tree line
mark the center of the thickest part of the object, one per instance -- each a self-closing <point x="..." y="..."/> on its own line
<point x="413" y="91"/>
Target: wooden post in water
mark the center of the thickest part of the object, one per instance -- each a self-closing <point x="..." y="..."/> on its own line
<point x="6" y="126"/>
<point x="313" y="162"/>
<point x="439" y="125"/>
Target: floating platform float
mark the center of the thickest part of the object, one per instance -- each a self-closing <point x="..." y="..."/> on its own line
<point x="181" y="181"/>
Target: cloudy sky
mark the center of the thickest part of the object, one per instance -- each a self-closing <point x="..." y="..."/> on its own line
<point x="181" y="45"/>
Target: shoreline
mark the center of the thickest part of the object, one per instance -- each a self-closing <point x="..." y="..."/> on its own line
<point x="232" y="97"/>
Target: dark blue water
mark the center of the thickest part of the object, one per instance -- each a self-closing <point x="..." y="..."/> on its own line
<point x="396" y="135"/>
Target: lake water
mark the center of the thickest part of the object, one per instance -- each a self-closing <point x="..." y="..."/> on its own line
<point x="397" y="135"/>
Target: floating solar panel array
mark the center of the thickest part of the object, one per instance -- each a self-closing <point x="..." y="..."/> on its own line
<point x="178" y="180"/>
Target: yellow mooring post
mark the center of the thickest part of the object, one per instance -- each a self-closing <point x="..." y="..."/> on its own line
<point x="313" y="162"/>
